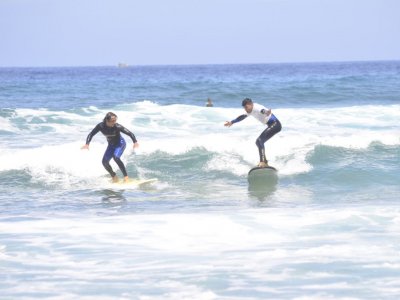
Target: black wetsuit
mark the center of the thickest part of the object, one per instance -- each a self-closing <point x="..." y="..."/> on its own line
<point x="116" y="144"/>
<point x="274" y="126"/>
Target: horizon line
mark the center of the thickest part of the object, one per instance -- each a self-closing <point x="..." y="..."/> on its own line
<point x="127" y="65"/>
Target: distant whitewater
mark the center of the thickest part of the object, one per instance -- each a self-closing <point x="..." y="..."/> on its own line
<point x="325" y="230"/>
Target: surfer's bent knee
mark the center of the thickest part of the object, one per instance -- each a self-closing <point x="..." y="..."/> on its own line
<point x="259" y="142"/>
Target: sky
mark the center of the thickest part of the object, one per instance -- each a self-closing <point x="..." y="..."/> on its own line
<point x="169" y="32"/>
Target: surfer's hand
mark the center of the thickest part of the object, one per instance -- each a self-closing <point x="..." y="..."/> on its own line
<point x="228" y="124"/>
<point x="85" y="147"/>
<point x="135" y="145"/>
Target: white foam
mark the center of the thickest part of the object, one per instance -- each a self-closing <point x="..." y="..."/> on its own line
<point x="177" y="129"/>
<point x="65" y="164"/>
<point x="248" y="252"/>
<point x="6" y="125"/>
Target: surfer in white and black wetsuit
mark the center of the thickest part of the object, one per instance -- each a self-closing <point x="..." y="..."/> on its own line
<point x="116" y="143"/>
<point x="266" y="117"/>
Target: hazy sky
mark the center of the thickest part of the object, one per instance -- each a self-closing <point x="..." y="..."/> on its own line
<point x="141" y="32"/>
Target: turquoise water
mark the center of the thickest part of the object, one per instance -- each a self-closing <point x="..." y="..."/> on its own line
<point x="327" y="229"/>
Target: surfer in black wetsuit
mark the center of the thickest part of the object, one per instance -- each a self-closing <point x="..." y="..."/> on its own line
<point x="116" y="143"/>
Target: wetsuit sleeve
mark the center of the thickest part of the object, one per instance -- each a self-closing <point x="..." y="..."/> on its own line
<point x="238" y="119"/>
<point x="92" y="134"/>
<point x="127" y="132"/>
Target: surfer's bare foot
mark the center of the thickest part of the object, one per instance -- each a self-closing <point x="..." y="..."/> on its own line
<point x="126" y="179"/>
<point x="115" y="179"/>
<point x="263" y="164"/>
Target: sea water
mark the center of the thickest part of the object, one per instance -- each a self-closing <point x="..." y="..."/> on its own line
<point x="329" y="228"/>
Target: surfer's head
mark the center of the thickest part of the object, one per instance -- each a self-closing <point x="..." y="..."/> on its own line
<point x="110" y="119"/>
<point x="247" y="104"/>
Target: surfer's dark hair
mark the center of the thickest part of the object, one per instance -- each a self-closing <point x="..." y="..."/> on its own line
<point x="109" y="116"/>
<point x="246" y="101"/>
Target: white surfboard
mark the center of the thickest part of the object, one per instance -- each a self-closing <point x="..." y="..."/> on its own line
<point x="263" y="175"/>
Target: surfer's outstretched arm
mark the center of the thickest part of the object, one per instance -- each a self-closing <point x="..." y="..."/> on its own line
<point x="238" y="119"/>
<point x="90" y="136"/>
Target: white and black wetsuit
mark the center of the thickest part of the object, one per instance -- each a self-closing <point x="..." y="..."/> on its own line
<point x="116" y="144"/>
<point x="274" y="126"/>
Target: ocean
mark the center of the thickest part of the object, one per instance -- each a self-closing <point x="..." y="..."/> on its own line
<point x="328" y="228"/>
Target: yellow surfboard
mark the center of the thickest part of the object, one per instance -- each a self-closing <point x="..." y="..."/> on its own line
<point x="136" y="182"/>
